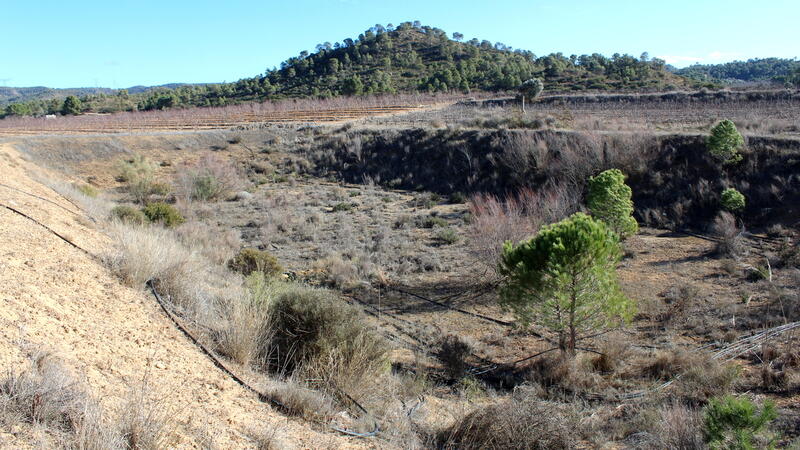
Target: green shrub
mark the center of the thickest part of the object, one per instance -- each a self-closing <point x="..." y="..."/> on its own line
<point x="128" y="214"/>
<point x="250" y="260"/>
<point x="458" y="197"/>
<point x="732" y="200"/>
<point x="447" y="235"/>
<point x="135" y="168"/>
<point x="88" y="190"/>
<point x="167" y="215"/>
<point x="734" y="423"/>
<point x="343" y="206"/>
<point x="609" y="200"/>
<point x="315" y="332"/>
<point x="139" y="175"/>
<point x="725" y="142"/>
<point x="431" y="222"/>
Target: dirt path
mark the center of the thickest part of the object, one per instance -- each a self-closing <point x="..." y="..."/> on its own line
<point x="55" y="297"/>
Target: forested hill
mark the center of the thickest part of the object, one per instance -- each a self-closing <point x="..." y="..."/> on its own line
<point x="419" y="58"/>
<point x="402" y="59"/>
<point x="773" y="70"/>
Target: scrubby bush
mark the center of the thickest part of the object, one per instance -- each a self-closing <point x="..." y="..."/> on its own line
<point x="128" y="214"/>
<point x="731" y="242"/>
<point x="447" y="236"/>
<point x="342" y="206"/>
<point x="453" y="353"/>
<point x="48" y="396"/>
<point x="316" y="333"/>
<point x="139" y="175"/>
<point x="520" y="423"/>
<point x="210" y="178"/>
<point x="725" y="142"/>
<point x="732" y="200"/>
<point x="431" y="222"/>
<point x="167" y="215"/>
<point x="88" y="190"/>
<point x="250" y="260"/>
<point x="609" y="200"/>
<point x="734" y="423"/>
<point x="565" y="278"/>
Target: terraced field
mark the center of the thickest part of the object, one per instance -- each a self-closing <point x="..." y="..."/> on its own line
<point x="194" y="119"/>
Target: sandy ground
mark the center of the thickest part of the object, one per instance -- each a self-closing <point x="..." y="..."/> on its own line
<point x="57" y="298"/>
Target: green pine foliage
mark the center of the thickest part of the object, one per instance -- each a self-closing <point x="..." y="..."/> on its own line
<point x="565" y="279"/>
<point x="609" y="200"/>
<point x="732" y="200"/>
<point x="725" y="142"/>
<point x="532" y="88"/>
<point x="409" y="58"/>
<point x="734" y="423"/>
<point x="72" y="106"/>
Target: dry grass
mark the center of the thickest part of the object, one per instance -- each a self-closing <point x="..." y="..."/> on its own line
<point x="521" y="422"/>
<point x="495" y="221"/>
<point x="49" y="396"/>
<point x="154" y="253"/>
<point x="210" y="178"/>
<point x="147" y="420"/>
<point x="680" y="428"/>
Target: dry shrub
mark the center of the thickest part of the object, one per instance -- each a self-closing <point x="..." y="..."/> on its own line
<point x="243" y="333"/>
<point x="48" y="395"/>
<point x="563" y="373"/>
<point x="697" y="377"/>
<point x="266" y="436"/>
<point x="779" y="364"/>
<point x="147" y="420"/>
<point x="182" y="274"/>
<point x="495" y="221"/>
<point x="680" y="428"/>
<point x="731" y="242"/>
<point x="453" y="353"/>
<point x="216" y="244"/>
<point x="337" y="272"/>
<point x="665" y="365"/>
<point x="519" y="423"/>
<point x="96" y="207"/>
<point x="211" y="178"/>
<point x="303" y="402"/>
<point x="612" y="354"/>
<point x="250" y="260"/>
<point x="317" y="334"/>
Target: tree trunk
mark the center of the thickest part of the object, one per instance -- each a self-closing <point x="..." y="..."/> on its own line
<point x="523" y="104"/>
<point x="572" y="305"/>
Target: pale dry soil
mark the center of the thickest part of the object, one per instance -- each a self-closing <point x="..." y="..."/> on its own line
<point x="55" y="297"/>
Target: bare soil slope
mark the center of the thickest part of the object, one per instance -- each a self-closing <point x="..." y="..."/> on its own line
<point x="56" y="297"/>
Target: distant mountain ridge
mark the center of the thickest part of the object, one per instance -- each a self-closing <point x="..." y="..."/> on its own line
<point x="10" y="95"/>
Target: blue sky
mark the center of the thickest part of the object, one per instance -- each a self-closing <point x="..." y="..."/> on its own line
<point x="124" y="43"/>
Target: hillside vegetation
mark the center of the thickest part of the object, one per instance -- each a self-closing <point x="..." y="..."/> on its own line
<point x="408" y="58"/>
<point x="771" y="70"/>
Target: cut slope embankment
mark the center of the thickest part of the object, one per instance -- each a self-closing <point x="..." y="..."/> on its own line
<point x="54" y="296"/>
